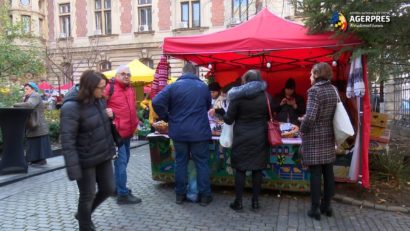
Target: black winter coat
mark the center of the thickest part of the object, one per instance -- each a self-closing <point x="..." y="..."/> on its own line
<point x="248" y="109"/>
<point x="86" y="137"/>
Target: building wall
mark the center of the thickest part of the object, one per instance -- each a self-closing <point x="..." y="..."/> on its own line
<point x="127" y="42"/>
<point x="37" y="12"/>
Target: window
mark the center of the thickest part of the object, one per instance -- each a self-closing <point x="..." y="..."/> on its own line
<point x="105" y="66"/>
<point x="65" y="24"/>
<point x="41" y="5"/>
<point x="26" y="23"/>
<point x="25" y="2"/>
<point x="103" y="17"/>
<point x="144" y="15"/>
<point x="190" y="14"/>
<point x="40" y="27"/>
<point x="148" y="62"/>
<point x="240" y="11"/>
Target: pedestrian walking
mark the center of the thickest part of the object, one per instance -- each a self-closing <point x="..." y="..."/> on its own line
<point x="88" y="146"/>
<point x="121" y="99"/>
<point x="38" y="140"/>
<point x="184" y="104"/>
<point x="249" y="110"/>
<point x="318" y="140"/>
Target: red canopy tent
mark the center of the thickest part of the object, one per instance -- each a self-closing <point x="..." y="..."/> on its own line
<point x="280" y="49"/>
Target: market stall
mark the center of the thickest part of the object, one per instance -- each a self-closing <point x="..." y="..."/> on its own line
<point x="281" y="49"/>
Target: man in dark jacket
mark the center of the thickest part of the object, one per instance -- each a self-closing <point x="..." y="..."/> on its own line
<point x="184" y="104"/>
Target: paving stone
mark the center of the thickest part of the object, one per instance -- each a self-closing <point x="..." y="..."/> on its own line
<point x="49" y="202"/>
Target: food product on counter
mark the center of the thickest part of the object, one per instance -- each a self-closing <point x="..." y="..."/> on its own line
<point x="161" y="127"/>
<point x="289" y="130"/>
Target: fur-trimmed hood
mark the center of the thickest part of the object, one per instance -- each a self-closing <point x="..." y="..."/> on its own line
<point x="248" y="90"/>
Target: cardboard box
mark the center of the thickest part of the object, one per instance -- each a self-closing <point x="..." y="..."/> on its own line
<point x="379" y="119"/>
<point x="341" y="171"/>
<point x="383" y="138"/>
<point x="376" y="131"/>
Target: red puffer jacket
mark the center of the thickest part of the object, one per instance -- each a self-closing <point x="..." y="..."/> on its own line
<point x="122" y="102"/>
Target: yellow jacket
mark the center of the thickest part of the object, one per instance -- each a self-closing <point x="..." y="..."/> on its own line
<point x="147" y="103"/>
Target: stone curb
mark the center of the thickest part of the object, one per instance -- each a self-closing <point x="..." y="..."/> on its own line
<point x="368" y="204"/>
<point x="20" y="177"/>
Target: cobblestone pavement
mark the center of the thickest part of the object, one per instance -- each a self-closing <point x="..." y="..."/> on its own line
<point x="48" y="202"/>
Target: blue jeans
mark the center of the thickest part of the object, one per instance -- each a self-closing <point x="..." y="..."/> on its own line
<point x="121" y="168"/>
<point x="200" y="155"/>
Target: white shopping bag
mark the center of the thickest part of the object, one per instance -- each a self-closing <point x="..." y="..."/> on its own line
<point x="342" y="126"/>
<point x="226" y="135"/>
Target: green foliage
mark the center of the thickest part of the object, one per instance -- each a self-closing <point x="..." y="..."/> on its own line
<point x="391" y="166"/>
<point x="20" y="53"/>
<point x="10" y="95"/>
<point x="387" y="48"/>
<point x="53" y="120"/>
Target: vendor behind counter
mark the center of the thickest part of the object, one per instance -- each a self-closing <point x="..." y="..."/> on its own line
<point x="288" y="106"/>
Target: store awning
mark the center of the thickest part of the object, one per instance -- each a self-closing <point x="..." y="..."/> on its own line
<point x="139" y="72"/>
<point x="252" y="44"/>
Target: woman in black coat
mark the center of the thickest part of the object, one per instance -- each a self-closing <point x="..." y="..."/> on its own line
<point x="88" y="145"/>
<point x="249" y="110"/>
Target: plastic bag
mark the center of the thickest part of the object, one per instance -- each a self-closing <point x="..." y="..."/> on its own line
<point x="226" y="137"/>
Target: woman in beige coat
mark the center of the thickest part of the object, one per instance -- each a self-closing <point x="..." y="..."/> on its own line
<point x="38" y="141"/>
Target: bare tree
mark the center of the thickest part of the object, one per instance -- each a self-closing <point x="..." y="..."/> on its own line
<point x="63" y="59"/>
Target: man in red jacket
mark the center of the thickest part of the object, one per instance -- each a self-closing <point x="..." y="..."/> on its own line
<point x="121" y="99"/>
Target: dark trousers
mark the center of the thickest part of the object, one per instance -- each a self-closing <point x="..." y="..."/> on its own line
<point x="240" y="177"/>
<point x="103" y="175"/>
<point x="316" y="172"/>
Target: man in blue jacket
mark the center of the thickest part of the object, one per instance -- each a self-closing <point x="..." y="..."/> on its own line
<point x="184" y="104"/>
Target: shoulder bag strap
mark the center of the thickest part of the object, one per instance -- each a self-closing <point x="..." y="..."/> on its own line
<point x="268" y="101"/>
<point x="337" y="94"/>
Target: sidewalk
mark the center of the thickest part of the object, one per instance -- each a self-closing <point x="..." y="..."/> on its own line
<point x="49" y="202"/>
<point x="54" y="163"/>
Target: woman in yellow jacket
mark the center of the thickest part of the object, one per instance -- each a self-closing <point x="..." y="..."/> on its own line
<point x="146" y="104"/>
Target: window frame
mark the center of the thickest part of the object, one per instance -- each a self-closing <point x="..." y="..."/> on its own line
<point x="147" y="62"/>
<point x="26" y="21"/>
<point x="147" y="7"/>
<point x="103" y="22"/>
<point x="25" y="3"/>
<point x="101" y="65"/>
<point x="240" y="8"/>
<point x="189" y="5"/>
<point x="64" y="10"/>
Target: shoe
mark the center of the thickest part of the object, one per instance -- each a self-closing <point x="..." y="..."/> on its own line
<point x="128" y="199"/>
<point x="236" y="205"/>
<point x="314" y="213"/>
<point x="328" y="211"/>
<point x="180" y="198"/>
<point x="39" y="162"/>
<point x="255" y="204"/>
<point x="92" y="226"/>
<point x="205" y="200"/>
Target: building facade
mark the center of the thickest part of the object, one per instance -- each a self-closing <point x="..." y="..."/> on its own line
<point x="103" y="34"/>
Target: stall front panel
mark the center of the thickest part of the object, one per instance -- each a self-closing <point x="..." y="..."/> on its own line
<point x="283" y="172"/>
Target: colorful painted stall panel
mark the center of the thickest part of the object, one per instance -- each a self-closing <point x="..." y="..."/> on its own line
<point x="283" y="172"/>
<point x="162" y="159"/>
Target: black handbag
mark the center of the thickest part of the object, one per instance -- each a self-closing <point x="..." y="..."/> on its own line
<point x="116" y="135"/>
